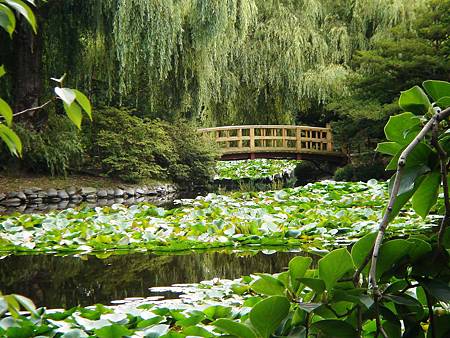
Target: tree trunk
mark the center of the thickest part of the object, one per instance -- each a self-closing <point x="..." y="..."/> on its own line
<point x="27" y="80"/>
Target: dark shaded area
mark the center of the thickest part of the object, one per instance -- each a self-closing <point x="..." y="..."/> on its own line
<point x="64" y="282"/>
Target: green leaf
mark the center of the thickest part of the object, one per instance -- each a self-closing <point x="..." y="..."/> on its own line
<point x="438" y="289"/>
<point x="426" y="195"/>
<point x="333" y="328"/>
<point x="7" y="20"/>
<point x="414" y="100"/>
<point x="403" y="198"/>
<point x="74" y="333"/>
<point x="26" y="303"/>
<point x="196" y="331"/>
<point x="362" y="248"/>
<point x="268" y="314"/>
<point x="398" y="126"/>
<point x="2" y="70"/>
<point x="444" y="102"/>
<point x="418" y="248"/>
<point x="67" y="95"/>
<point x="113" y="331"/>
<point x="267" y="285"/>
<point x="297" y="269"/>
<point x="315" y="284"/>
<point x="334" y="266"/>
<point x="74" y="113"/>
<point x="25" y="11"/>
<point x="409" y="178"/>
<point x="11" y="139"/>
<point x="84" y="102"/>
<point x="389" y="148"/>
<point x="156" y="331"/>
<point x="437" y="89"/>
<point x="234" y="328"/>
<point x="6" y="112"/>
<point x="442" y="329"/>
<point x="390" y="253"/>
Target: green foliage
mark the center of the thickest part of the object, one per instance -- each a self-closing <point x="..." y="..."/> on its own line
<point x="132" y="149"/>
<point x="254" y="169"/>
<point x="53" y="150"/>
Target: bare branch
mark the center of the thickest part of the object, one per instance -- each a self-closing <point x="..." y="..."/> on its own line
<point x="34" y="108"/>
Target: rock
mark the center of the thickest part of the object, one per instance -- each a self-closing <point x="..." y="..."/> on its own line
<point x="140" y="191"/>
<point x="63" y="204"/>
<point x="32" y="196"/>
<point x="2" y="196"/>
<point x="86" y="191"/>
<point x="152" y="193"/>
<point x="101" y="194"/>
<point x="29" y="192"/>
<point x="130" y="201"/>
<point x="42" y="194"/>
<point x="118" y="200"/>
<point x="21" y="196"/>
<point x="110" y="193"/>
<point x="140" y="199"/>
<point x="91" y="198"/>
<point x="12" y="202"/>
<point x="62" y="194"/>
<point x="37" y="200"/>
<point x="76" y="198"/>
<point x="71" y="191"/>
<point x="102" y="202"/>
<point x="52" y="206"/>
<point x="130" y="192"/>
<point x="118" y="192"/>
<point x="54" y="200"/>
<point x="52" y="193"/>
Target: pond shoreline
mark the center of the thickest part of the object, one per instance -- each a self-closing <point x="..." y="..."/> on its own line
<point x="40" y="200"/>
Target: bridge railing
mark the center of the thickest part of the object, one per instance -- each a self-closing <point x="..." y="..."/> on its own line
<point x="271" y="138"/>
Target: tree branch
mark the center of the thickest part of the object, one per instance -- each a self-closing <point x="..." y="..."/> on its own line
<point x="443" y="160"/>
<point x="34" y="108"/>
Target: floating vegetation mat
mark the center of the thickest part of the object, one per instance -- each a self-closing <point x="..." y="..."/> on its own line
<point x="253" y="169"/>
<point x="319" y="215"/>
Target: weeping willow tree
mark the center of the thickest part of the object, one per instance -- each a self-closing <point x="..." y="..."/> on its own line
<point x="220" y="61"/>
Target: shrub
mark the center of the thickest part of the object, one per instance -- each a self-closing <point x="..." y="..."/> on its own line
<point x="344" y="173"/>
<point x="131" y="148"/>
<point x="52" y="150"/>
<point x="196" y="155"/>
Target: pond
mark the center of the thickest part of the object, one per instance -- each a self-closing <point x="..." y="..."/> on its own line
<point x="57" y="281"/>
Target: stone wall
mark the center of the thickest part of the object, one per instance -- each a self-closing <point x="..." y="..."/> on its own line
<point x="36" y="199"/>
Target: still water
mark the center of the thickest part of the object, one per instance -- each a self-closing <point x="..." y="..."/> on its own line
<point x="57" y="282"/>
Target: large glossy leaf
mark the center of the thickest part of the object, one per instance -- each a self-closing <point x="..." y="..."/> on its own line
<point x="414" y="100"/>
<point x="390" y="253"/>
<point x="333" y="328"/>
<point x="268" y="285"/>
<point x="268" y="314"/>
<point x="438" y="289"/>
<point x="84" y="102"/>
<point x="74" y="113"/>
<point x="426" y="195"/>
<point x="398" y="126"/>
<point x="67" y="95"/>
<point x="297" y="269"/>
<point x="362" y="248"/>
<point x="7" y="19"/>
<point x="234" y="328"/>
<point x="6" y="112"/>
<point x="402" y="199"/>
<point x="334" y="266"/>
<point x="442" y="329"/>
<point x="11" y="140"/>
<point x="25" y="10"/>
<point x="315" y="284"/>
<point x="437" y="89"/>
<point x="389" y="148"/>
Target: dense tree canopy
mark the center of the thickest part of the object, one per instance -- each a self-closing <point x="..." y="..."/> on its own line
<point x="222" y="61"/>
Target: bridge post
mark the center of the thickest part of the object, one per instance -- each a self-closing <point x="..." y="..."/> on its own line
<point x="329" y="138"/>
<point x="252" y="143"/>
<point x="298" y="139"/>
<point x="239" y="135"/>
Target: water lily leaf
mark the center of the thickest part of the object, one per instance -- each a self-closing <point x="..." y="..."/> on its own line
<point x="156" y="331"/>
<point x="113" y="331"/>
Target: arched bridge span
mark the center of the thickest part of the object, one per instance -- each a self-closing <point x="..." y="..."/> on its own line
<point x="275" y="141"/>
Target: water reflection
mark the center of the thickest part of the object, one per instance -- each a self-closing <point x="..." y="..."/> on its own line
<point x="57" y="282"/>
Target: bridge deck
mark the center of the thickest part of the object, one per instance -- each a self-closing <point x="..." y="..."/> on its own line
<point x="275" y="141"/>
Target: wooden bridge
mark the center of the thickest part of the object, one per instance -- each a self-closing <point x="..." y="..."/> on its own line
<point x="275" y="141"/>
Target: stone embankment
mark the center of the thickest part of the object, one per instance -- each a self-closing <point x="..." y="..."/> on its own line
<point x="36" y="199"/>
